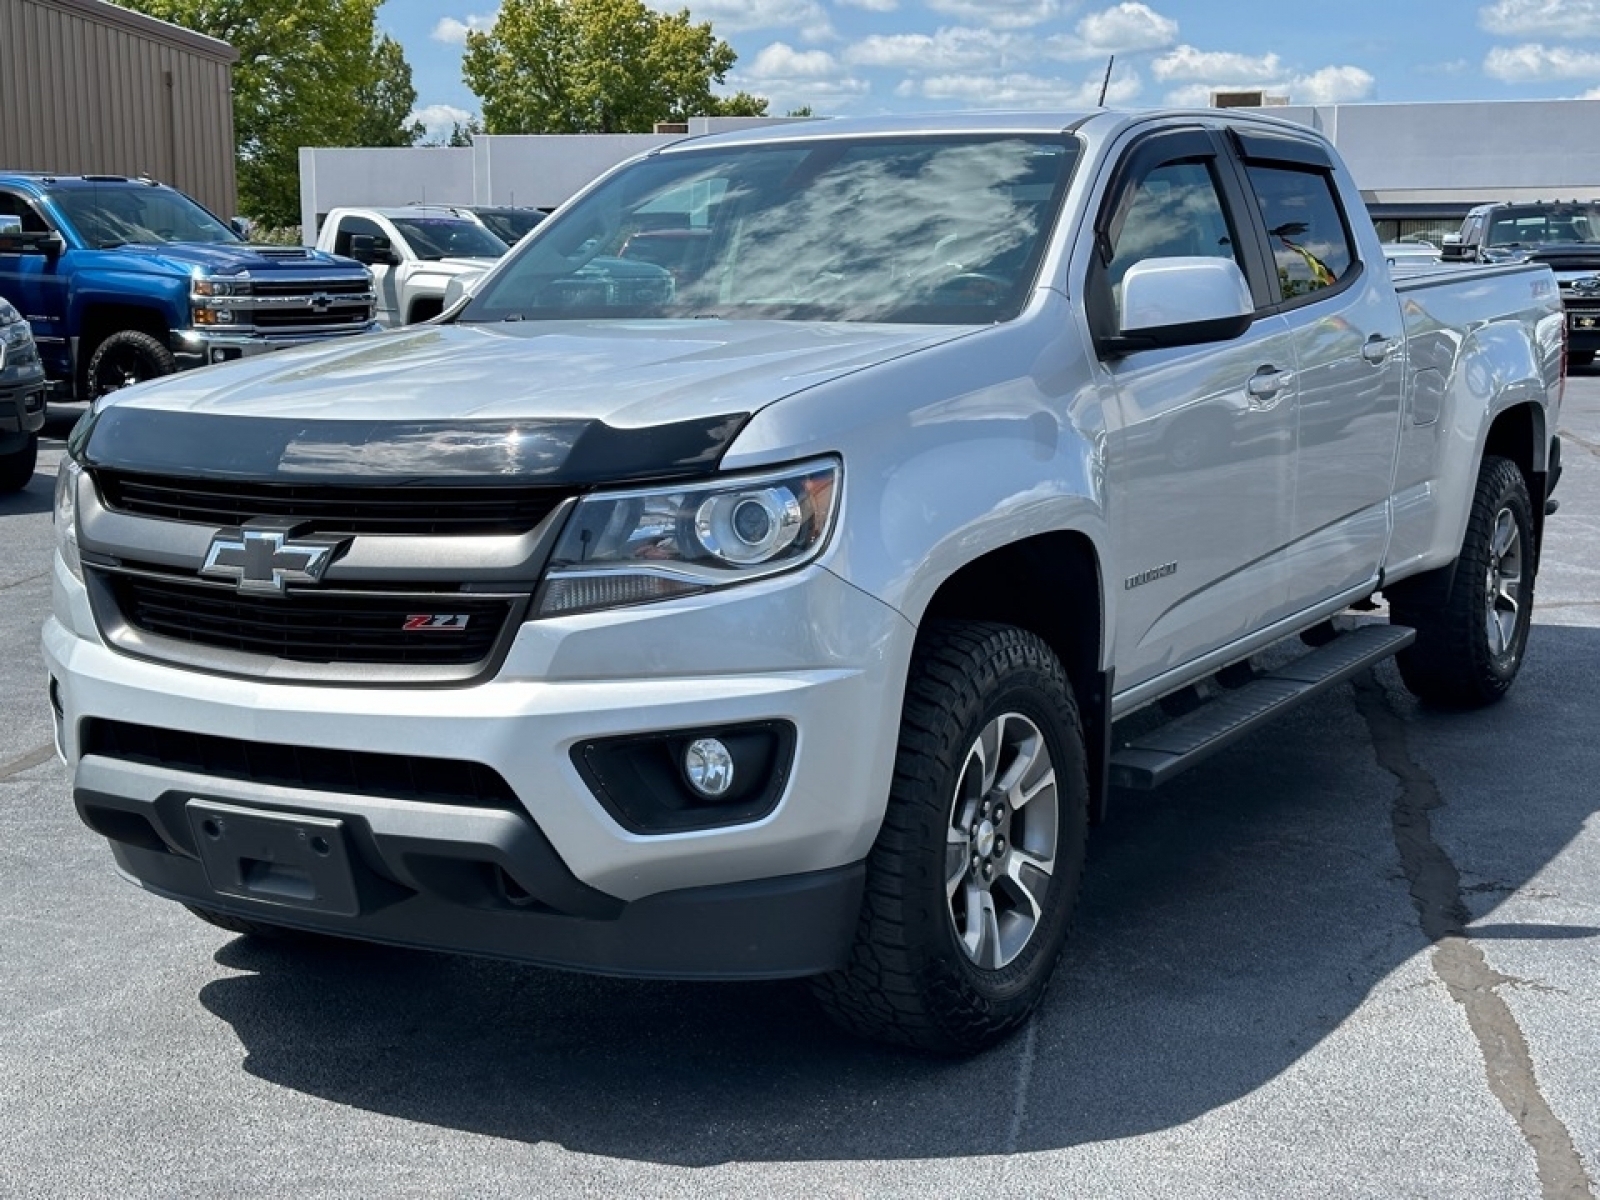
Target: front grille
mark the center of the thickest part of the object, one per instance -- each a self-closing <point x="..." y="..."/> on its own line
<point x="450" y="629"/>
<point x="307" y="287"/>
<point x="303" y="318"/>
<point x="352" y="510"/>
<point x="345" y="772"/>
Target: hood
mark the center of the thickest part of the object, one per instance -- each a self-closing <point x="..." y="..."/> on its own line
<point x="505" y="400"/>
<point x="230" y="258"/>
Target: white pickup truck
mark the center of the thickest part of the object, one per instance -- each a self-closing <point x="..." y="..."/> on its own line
<point x="774" y="613"/>
<point x="413" y="252"/>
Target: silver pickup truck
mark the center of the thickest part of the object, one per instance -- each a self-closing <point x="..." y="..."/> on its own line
<point x="772" y="609"/>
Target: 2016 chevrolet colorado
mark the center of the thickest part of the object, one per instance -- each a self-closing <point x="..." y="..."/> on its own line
<point x="769" y="616"/>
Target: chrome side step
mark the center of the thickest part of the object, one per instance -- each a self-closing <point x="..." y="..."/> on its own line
<point x="1180" y="744"/>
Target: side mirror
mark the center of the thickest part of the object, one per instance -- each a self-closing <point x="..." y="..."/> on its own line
<point x="14" y="241"/>
<point x="373" y="249"/>
<point x="1182" y="302"/>
<point x="240" y="226"/>
<point x="458" y="287"/>
<point x="1451" y="250"/>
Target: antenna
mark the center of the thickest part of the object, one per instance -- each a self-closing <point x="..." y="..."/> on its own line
<point x="1105" y="83"/>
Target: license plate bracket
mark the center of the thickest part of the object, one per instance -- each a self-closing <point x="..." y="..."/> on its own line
<point x="288" y="859"/>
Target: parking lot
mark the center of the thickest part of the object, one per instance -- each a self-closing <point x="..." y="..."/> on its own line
<point x="1356" y="955"/>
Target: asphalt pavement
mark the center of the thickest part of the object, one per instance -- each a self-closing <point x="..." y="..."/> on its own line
<point x="1355" y="955"/>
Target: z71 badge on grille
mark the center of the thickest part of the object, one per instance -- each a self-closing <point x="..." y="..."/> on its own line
<point x="267" y="558"/>
<point x="423" y="621"/>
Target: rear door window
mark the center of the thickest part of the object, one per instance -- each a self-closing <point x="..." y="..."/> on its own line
<point x="1307" y="234"/>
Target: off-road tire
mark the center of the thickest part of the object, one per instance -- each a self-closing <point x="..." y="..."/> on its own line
<point x="125" y="358"/>
<point x="910" y="979"/>
<point x="16" y="468"/>
<point x="1456" y="661"/>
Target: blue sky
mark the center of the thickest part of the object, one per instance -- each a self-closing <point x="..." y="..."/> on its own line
<point x="845" y="57"/>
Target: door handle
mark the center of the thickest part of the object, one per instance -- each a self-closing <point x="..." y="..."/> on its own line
<point x="1264" y="386"/>
<point x="1377" y="348"/>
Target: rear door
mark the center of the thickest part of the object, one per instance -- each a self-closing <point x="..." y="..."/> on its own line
<point x="1200" y="466"/>
<point x="1349" y="349"/>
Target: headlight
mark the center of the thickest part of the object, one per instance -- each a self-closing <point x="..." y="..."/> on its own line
<point x="14" y="331"/>
<point x="633" y="547"/>
<point x="66" y="515"/>
<point x="206" y="286"/>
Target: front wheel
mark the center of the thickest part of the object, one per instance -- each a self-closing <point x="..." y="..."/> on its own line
<point x="973" y="879"/>
<point x="127" y="358"/>
<point x="1470" y="643"/>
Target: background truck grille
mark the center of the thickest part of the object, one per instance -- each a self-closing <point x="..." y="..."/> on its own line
<point x="299" y="318"/>
<point x="398" y="510"/>
<point x="317" y="627"/>
<point x="347" y="772"/>
<point x="306" y="287"/>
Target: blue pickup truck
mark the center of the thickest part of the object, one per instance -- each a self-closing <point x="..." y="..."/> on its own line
<point x="124" y="280"/>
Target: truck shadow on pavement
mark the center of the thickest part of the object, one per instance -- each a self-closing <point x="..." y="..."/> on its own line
<point x="1228" y="924"/>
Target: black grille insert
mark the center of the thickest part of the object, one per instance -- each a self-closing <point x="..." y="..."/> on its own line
<point x="399" y="510"/>
<point x="296" y="318"/>
<point x="310" y="287"/>
<point x="432" y="629"/>
<point x="345" y="772"/>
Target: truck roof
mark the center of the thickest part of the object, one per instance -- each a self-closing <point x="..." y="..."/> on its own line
<point x="1024" y="121"/>
<point x="50" y="179"/>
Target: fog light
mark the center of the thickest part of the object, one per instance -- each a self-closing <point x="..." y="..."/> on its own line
<point x="708" y="766"/>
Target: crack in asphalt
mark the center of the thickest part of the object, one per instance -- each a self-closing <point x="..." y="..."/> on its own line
<point x="29" y="760"/>
<point x="1460" y="965"/>
<point x="25" y="579"/>
<point x="1591" y="447"/>
<point x="1019" y="1109"/>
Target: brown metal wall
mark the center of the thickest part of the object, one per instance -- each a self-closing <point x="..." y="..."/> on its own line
<point x="89" y="88"/>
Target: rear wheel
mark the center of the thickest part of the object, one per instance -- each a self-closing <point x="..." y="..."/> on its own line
<point x="127" y="358"/>
<point x="16" y="467"/>
<point x="1470" y="643"/>
<point x="972" y="881"/>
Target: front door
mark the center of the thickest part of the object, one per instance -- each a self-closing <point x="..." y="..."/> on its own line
<point x="1200" y="466"/>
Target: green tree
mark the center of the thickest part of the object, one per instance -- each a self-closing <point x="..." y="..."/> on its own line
<point x="310" y="73"/>
<point x="389" y="99"/>
<point x="597" y="66"/>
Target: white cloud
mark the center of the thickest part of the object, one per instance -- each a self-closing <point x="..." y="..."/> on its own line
<point x="1125" y="29"/>
<point x="737" y="16"/>
<point x="1188" y="63"/>
<point x="454" y="33"/>
<point x="1550" y="18"/>
<point x="1001" y="14"/>
<point x="871" y="5"/>
<point x="792" y="79"/>
<point x="1331" y="85"/>
<point x="782" y="61"/>
<point x="1021" y="90"/>
<point x="439" y="119"/>
<point x="950" y="49"/>
<point x="1531" y="63"/>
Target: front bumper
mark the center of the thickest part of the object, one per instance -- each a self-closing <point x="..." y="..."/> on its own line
<point x="22" y="404"/>
<point x="553" y="877"/>
<point x="200" y="347"/>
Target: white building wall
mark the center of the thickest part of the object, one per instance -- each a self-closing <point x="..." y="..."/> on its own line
<point x="395" y="175"/>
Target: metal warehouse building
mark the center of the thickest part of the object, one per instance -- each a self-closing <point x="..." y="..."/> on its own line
<point x="90" y="88"/>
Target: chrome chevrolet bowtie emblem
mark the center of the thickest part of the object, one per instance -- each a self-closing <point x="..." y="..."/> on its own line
<point x="321" y="302"/>
<point x="268" y="558"/>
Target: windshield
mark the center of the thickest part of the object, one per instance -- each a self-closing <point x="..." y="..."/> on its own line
<point x="939" y="229"/>
<point x="1537" y="225"/>
<point x="510" y="225"/>
<point x="448" y="237"/>
<point x="116" y="214"/>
